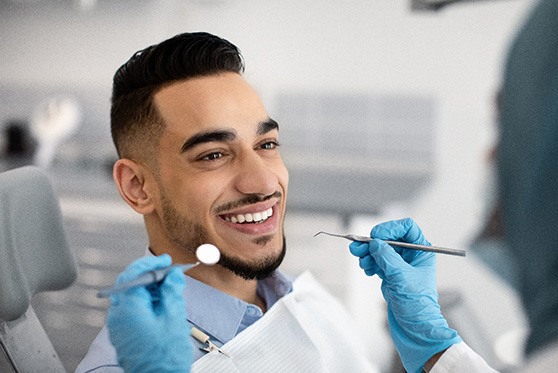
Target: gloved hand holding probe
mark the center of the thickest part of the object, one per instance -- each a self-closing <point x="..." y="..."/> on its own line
<point x="408" y="278"/>
<point x="147" y="324"/>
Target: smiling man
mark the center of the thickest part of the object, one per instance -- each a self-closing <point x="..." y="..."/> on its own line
<point x="199" y="159"/>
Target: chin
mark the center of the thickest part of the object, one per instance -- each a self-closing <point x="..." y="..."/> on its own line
<point x="254" y="270"/>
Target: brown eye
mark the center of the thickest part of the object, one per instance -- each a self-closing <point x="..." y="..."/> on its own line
<point x="270" y="145"/>
<point x="212" y="156"/>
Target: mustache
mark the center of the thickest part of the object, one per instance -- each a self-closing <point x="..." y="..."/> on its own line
<point x="246" y="200"/>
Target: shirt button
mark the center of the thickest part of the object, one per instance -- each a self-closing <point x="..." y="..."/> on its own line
<point x="251" y="311"/>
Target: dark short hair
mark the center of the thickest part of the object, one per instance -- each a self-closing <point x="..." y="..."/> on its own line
<point x="136" y="125"/>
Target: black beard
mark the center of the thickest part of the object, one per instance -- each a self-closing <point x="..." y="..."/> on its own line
<point x="251" y="271"/>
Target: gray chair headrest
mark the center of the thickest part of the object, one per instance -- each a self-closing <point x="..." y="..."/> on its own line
<point x="34" y="253"/>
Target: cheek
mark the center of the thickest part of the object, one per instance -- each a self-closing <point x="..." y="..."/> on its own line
<point x="286" y="177"/>
<point x="200" y="196"/>
<point x="282" y="175"/>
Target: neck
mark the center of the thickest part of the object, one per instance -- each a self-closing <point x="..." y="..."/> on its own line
<point x="215" y="276"/>
<point x="226" y="281"/>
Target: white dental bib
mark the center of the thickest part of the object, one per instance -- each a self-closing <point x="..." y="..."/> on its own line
<point x="305" y="331"/>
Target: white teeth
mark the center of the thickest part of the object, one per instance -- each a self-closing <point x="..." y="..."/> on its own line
<point x="248" y="218"/>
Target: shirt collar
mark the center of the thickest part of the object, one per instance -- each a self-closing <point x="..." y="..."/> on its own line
<point x="219" y="314"/>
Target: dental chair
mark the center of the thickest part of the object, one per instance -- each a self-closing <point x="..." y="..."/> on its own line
<point x="34" y="257"/>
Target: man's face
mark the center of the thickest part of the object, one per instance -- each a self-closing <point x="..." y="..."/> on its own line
<point x="220" y="175"/>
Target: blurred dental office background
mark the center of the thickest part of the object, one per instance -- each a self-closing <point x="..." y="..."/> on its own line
<point x="387" y="109"/>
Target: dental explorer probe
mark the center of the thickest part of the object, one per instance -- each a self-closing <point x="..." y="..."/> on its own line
<point x="434" y="249"/>
<point x="206" y="254"/>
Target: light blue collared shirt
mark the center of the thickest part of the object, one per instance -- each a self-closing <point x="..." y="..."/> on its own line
<point x="222" y="316"/>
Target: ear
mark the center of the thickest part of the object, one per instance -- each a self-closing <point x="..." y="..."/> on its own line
<point x="134" y="185"/>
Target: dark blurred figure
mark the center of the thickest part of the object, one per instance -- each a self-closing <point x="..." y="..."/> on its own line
<point x="19" y="146"/>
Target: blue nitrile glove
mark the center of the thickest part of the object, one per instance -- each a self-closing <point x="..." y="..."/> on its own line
<point x="147" y="325"/>
<point x="416" y="324"/>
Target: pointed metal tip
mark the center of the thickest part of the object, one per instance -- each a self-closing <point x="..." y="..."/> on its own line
<point x="320" y="232"/>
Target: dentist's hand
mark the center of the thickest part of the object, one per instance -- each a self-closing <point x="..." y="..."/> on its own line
<point x="417" y="326"/>
<point x="148" y="325"/>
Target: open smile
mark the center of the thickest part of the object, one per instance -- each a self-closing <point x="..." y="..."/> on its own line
<point x="256" y="217"/>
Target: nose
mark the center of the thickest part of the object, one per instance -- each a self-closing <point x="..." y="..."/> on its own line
<point x="256" y="175"/>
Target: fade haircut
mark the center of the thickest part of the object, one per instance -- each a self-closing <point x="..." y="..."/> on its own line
<point x="136" y="125"/>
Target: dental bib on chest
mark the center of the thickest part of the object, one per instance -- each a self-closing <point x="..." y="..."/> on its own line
<point x="305" y="331"/>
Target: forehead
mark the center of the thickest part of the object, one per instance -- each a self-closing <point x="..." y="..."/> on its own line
<point x="209" y="102"/>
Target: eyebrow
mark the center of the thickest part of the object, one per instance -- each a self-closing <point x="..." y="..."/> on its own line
<point x="267" y="126"/>
<point x="209" y="136"/>
<point x="225" y="135"/>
